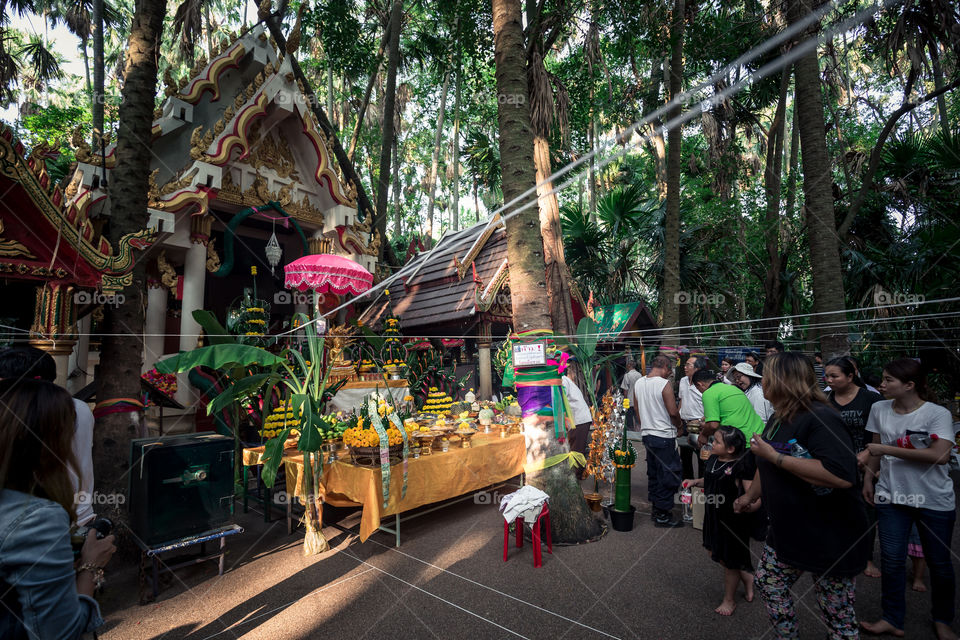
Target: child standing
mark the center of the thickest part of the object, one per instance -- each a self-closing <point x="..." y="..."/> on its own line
<point x="726" y="535"/>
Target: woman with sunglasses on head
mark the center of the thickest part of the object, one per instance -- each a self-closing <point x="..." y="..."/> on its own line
<point x="807" y="475"/>
<point x="43" y="594"/>
<point x="908" y="480"/>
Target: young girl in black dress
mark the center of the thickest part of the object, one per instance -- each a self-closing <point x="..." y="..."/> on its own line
<point x="726" y="535"/>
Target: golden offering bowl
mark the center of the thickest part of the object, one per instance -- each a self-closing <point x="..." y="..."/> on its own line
<point x="465" y="436"/>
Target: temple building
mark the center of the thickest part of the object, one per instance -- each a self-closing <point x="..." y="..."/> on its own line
<point x="242" y="176"/>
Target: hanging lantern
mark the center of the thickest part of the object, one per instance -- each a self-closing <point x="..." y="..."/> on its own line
<point x="273" y="251"/>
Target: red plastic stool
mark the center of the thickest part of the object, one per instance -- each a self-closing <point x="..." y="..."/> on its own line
<point x="543" y="517"/>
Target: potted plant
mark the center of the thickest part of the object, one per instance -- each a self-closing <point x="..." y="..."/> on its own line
<point x="624" y="457"/>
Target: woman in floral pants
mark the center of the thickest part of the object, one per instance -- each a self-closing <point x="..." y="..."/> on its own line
<point x="835" y="596"/>
<point x="807" y="477"/>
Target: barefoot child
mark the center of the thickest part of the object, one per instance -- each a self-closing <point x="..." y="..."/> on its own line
<point x="726" y="535"/>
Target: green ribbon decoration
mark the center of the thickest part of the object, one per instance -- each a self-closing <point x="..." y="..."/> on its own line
<point x="575" y="458"/>
<point x="384" y="449"/>
<point x="406" y="450"/>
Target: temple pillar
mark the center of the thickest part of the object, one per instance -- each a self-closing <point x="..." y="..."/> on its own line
<point x="194" y="278"/>
<point x="484" y="364"/>
<point x="155" y="323"/>
<point x="54" y="326"/>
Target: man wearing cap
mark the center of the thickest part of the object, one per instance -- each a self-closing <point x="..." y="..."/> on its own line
<point x="749" y="382"/>
<point x="725" y="404"/>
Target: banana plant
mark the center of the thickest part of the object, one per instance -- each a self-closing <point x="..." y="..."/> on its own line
<point x="584" y="350"/>
<point x="300" y="380"/>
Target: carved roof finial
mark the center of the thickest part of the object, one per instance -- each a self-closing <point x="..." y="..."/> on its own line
<point x="293" y="42"/>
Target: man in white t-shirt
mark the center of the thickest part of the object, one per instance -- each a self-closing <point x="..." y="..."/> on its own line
<point x="691" y="415"/>
<point x="30" y="362"/>
<point x="629" y="381"/>
<point x="659" y="419"/>
<point x="582" y="417"/>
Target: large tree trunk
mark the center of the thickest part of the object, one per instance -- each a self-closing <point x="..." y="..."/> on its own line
<point x="455" y="183"/>
<point x="670" y="294"/>
<point x="818" y="200"/>
<point x="366" y="95"/>
<point x="364" y="206"/>
<point x="558" y="284"/>
<point x="772" y="181"/>
<point x="435" y="160"/>
<point x="397" y="213"/>
<point x="121" y="353"/>
<point x="571" y="520"/>
<point x="389" y="105"/>
<point x="96" y="29"/>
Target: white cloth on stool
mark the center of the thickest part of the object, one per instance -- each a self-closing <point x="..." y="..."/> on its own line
<point x="527" y="503"/>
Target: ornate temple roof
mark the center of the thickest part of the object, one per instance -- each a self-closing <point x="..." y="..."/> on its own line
<point x="239" y="132"/>
<point x="43" y="236"/>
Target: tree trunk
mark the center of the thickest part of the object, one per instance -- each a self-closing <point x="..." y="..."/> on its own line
<point x="592" y="172"/>
<point x="96" y="29"/>
<point x="366" y="95"/>
<point x="397" y="213"/>
<point x="670" y="295"/>
<point x="209" y="30"/>
<point x="571" y="520"/>
<point x="818" y="200"/>
<point x="941" y="99"/>
<point x="455" y="186"/>
<point x="558" y="284"/>
<point x="435" y="161"/>
<point x="336" y="122"/>
<point x="772" y="182"/>
<point x="389" y="105"/>
<point x="86" y="68"/>
<point x="364" y="207"/>
<point x="121" y="353"/>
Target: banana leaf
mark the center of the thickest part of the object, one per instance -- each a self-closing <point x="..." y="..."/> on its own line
<point x="218" y="356"/>
<point x="216" y="333"/>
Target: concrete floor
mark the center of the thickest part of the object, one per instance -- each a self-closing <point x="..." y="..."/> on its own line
<point x="448" y="580"/>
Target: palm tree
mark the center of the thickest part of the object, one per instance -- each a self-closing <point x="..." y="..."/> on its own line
<point x="818" y="197"/>
<point x="121" y="350"/>
<point x="571" y="521"/>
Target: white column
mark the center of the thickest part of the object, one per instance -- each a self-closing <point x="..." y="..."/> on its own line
<point x="194" y="276"/>
<point x="155" y="324"/>
<point x="485" y="372"/>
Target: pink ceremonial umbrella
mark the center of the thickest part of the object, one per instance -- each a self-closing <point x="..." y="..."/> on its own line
<point x="327" y="273"/>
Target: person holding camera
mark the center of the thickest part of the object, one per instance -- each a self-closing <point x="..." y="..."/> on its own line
<point x="44" y="593"/>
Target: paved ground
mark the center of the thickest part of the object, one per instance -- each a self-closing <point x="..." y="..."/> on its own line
<point x="448" y="580"/>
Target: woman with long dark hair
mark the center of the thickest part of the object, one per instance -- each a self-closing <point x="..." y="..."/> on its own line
<point x="849" y="395"/>
<point x="909" y="481"/>
<point x="42" y="594"/>
<point x="807" y="475"/>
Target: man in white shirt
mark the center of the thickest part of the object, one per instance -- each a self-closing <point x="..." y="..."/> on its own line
<point x="659" y="419"/>
<point x="582" y="417"/>
<point x="691" y="415"/>
<point x="629" y="381"/>
<point x="29" y="362"/>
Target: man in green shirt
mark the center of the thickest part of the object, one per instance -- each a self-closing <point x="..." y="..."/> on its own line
<point x="725" y="404"/>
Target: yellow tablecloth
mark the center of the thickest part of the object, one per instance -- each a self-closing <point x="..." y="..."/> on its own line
<point x="433" y="478"/>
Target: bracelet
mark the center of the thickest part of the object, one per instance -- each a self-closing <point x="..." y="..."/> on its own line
<point x="780" y="460"/>
<point x="98" y="579"/>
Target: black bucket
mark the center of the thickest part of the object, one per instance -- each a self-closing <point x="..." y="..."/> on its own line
<point x="622" y="520"/>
